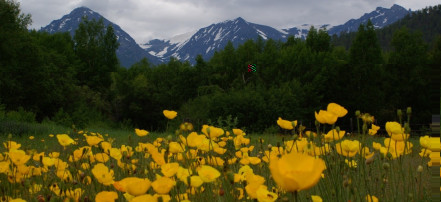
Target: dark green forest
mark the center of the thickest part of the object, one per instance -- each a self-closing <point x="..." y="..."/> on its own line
<point x="78" y="80"/>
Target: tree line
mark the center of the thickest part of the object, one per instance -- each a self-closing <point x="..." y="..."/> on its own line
<point x="77" y="80"/>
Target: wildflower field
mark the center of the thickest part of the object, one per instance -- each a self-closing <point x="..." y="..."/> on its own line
<point x="213" y="164"/>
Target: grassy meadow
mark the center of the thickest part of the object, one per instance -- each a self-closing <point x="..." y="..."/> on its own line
<point x="48" y="162"/>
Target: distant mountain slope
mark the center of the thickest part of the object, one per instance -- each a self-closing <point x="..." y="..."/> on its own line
<point x="380" y="17"/>
<point x="427" y="21"/>
<point x="207" y="40"/>
<point x="128" y="52"/>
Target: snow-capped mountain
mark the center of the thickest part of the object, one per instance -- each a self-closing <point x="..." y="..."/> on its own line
<point x="128" y="52"/>
<point x="207" y="40"/>
<point x="380" y="18"/>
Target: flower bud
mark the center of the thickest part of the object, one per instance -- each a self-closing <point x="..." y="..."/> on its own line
<point x="357" y="113"/>
<point x="409" y="110"/>
<point x="369" y="160"/>
<point x="389" y="155"/>
<point x="270" y="146"/>
<point x="295" y="137"/>
<point x="420" y="169"/>
<point x="169" y="137"/>
<point x="365" y="127"/>
<point x="386" y="166"/>
<point x="347" y="182"/>
<point x="399" y="113"/>
<point x="208" y="131"/>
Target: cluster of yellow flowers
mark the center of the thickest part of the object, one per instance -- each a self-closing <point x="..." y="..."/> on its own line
<point x="192" y="163"/>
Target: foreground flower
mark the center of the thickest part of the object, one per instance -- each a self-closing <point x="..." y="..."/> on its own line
<point x="325" y="117"/>
<point x="138" y="187"/>
<point x="208" y="173"/>
<point x="334" y="135"/>
<point x="212" y="132"/>
<point x="170" y="114"/>
<point x="141" y="133"/>
<point x="19" y="157"/>
<point x="370" y="198"/>
<point x="163" y="185"/>
<point x="348" y="148"/>
<point x="316" y="198"/>
<point x="10" y="145"/>
<point x="263" y="195"/>
<point x="395" y="131"/>
<point x="394" y="128"/>
<point x="288" y="125"/>
<point x="337" y="109"/>
<point x="106" y="196"/>
<point x="103" y="174"/>
<point x="374" y="129"/>
<point x="296" y="172"/>
<point x="64" y="140"/>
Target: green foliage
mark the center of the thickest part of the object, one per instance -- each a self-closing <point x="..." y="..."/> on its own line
<point x="227" y="123"/>
<point x="78" y="81"/>
<point x="95" y="46"/>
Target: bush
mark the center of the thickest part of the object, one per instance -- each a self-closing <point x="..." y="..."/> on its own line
<point x="21" y="116"/>
<point x="21" y="128"/>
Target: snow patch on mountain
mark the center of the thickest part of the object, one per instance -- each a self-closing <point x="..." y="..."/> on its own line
<point x="262" y="34"/>
<point x="182" y="38"/>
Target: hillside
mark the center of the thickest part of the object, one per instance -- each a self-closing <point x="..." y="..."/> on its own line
<point x="427" y="21"/>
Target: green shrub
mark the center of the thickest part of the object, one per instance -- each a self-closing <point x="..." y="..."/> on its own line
<point x="21" y="116"/>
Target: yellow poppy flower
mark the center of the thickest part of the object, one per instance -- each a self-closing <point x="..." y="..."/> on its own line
<point x="18" y="157"/>
<point x="4" y="167"/>
<point x="138" y="187"/>
<point x="196" y="181"/>
<point x="288" y="125"/>
<point x="115" y="153"/>
<point x="337" y="109"/>
<point x="143" y="198"/>
<point x="106" y="196"/>
<point x="103" y="174"/>
<point x="170" y="114"/>
<point x="334" y="135"/>
<point x="208" y="173"/>
<point x="169" y="169"/>
<point x="10" y="145"/>
<point x="93" y="140"/>
<point x="163" y="185"/>
<point x="394" y="128"/>
<point x="295" y="171"/>
<point x="141" y="133"/>
<point x="238" y="132"/>
<point x="175" y="147"/>
<point x="212" y="132"/>
<point x="348" y="148"/>
<point x="64" y="140"/>
<point x="325" y="117"/>
<point x="370" y="198"/>
<point x="263" y="195"/>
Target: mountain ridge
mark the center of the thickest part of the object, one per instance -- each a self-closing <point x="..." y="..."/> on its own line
<point x="206" y="40"/>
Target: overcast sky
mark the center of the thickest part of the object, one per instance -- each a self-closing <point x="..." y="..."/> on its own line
<point x="161" y="19"/>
